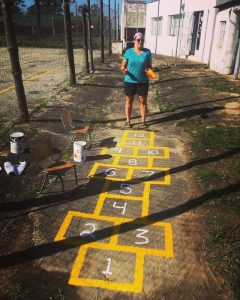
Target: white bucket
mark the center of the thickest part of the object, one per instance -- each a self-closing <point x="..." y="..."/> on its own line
<point x="16" y="142"/>
<point x="79" y="151"/>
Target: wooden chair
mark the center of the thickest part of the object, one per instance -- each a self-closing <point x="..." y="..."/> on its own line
<point x="69" y="127"/>
<point x="43" y="150"/>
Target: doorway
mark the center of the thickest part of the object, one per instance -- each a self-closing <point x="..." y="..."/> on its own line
<point x="196" y="31"/>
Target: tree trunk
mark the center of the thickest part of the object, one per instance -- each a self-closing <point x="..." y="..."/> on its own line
<point x="38" y="16"/>
<point x="14" y="59"/>
<point x="109" y="30"/>
<point x="85" y="41"/>
<point x="68" y="38"/>
<point x="90" y="34"/>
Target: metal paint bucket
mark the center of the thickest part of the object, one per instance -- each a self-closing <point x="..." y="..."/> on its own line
<point x="16" y="142"/>
<point x="79" y="151"/>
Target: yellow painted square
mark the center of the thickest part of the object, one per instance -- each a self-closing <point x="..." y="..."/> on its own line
<point x="106" y="282"/>
<point x="109" y="172"/>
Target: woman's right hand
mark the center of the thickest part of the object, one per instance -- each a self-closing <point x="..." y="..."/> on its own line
<point x="124" y="71"/>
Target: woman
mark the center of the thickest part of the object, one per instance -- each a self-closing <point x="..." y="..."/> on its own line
<point x="134" y="63"/>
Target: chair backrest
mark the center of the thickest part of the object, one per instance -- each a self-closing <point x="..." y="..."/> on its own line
<point x="67" y="120"/>
<point x="41" y="151"/>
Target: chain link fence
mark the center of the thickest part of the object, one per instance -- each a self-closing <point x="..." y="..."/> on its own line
<point x="42" y="52"/>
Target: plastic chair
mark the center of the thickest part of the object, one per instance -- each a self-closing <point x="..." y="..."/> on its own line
<point x="42" y="151"/>
<point x="69" y="127"/>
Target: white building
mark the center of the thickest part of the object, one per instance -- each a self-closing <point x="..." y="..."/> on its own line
<point x="226" y="37"/>
<point x="132" y="20"/>
<point x="205" y="31"/>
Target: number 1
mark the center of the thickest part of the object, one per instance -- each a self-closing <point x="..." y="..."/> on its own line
<point x="107" y="271"/>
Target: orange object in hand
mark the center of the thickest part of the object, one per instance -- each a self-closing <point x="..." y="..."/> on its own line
<point x="150" y="73"/>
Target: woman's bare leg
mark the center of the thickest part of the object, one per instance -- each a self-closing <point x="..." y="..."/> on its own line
<point x="143" y="107"/>
<point x="128" y="107"/>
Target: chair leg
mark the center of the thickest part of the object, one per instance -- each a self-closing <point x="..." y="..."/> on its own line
<point x="71" y="140"/>
<point x="89" y="134"/>
<point x="60" y="177"/>
<point x="75" y="173"/>
<point x="44" y="182"/>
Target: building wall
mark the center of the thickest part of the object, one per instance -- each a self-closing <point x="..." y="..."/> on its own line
<point x="222" y="58"/>
<point x="167" y="44"/>
<point x="133" y="17"/>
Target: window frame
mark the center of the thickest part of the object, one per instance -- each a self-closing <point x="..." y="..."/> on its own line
<point x="173" y="26"/>
<point x="153" y="27"/>
<point x="222" y="30"/>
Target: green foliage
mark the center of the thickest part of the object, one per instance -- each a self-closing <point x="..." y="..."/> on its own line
<point x="17" y="292"/>
<point x="217" y="138"/>
<point x="221" y="84"/>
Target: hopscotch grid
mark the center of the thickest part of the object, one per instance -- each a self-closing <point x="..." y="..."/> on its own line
<point x="140" y="252"/>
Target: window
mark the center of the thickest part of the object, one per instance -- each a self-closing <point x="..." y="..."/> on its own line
<point x="156" y="22"/>
<point x="173" y="25"/>
<point x="221" y="33"/>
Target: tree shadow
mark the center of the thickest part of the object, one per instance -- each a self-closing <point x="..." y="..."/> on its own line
<point x="47" y="249"/>
<point x="94" y="187"/>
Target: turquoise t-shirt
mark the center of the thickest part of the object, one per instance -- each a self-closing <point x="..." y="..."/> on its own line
<point x="136" y="65"/>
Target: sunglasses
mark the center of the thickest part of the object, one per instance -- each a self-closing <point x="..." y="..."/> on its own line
<point x="140" y="40"/>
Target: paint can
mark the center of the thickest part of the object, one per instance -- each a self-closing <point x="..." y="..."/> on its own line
<point x="16" y="142"/>
<point x="79" y="151"/>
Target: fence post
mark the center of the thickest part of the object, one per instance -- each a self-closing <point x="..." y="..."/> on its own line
<point x="90" y="34"/>
<point x="109" y="30"/>
<point x="101" y="29"/>
<point x="85" y="41"/>
<point x="115" y="20"/>
<point x="14" y="58"/>
<point x="68" y="38"/>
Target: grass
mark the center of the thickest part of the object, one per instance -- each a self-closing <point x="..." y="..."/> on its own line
<point x="221" y="84"/>
<point x="217" y="138"/>
<point x="222" y="214"/>
<point x="162" y="106"/>
<point x="17" y="292"/>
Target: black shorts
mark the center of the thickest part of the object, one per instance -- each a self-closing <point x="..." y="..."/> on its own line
<point x="131" y="89"/>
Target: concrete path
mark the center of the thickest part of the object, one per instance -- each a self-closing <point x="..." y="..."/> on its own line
<point x="130" y="229"/>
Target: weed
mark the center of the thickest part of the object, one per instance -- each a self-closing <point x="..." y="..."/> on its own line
<point x="36" y="187"/>
<point x="217" y="138"/>
<point x="17" y="291"/>
<point x="67" y="155"/>
<point x="161" y="105"/>
<point x="221" y="84"/>
<point x="207" y="177"/>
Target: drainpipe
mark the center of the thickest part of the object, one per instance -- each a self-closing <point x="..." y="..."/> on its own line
<point x="205" y="36"/>
<point x="180" y="12"/>
<point x="237" y="63"/>
<point x="212" y="37"/>
<point x="157" y="29"/>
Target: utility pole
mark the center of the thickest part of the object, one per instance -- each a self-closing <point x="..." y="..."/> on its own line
<point x="68" y="39"/>
<point x="157" y="29"/>
<point x="118" y="38"/>
<point x="90" y="34"/>
<point x="101" y="29"/>
<point x="180" y="15"/>
<point x="137" y="16"/>
<point x="109" y="30"/>
<point x="14" y="59"/>
<point x="85" y="43"/>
